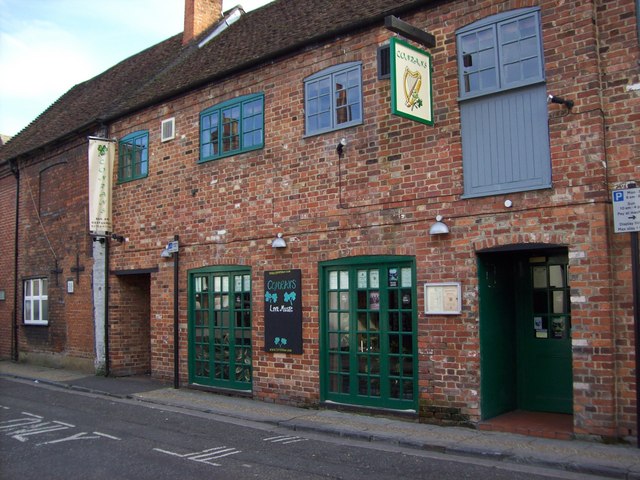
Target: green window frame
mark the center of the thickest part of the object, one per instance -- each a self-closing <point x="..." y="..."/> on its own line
<point x="333" y="98"/>
<point x="232" y="127"/>
<point x="36" y="301"/>
<point x="219" y="323"/>
<point x="133" y="156"/>
<point x="368" y="336"/>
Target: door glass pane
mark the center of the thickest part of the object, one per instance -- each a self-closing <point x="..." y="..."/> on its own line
<point x="556" y="276"/>
<point x="540" y="277"/>
<point x="333" y="300"/>
<point x="558" y="302"/>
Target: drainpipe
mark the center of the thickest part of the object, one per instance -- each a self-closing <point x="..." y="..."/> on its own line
<point x="176" y="320"/>
<point x="106" y="306"/>
<point x="14" y="325"/>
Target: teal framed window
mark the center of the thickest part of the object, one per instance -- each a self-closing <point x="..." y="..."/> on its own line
<point x="368" y="332"/>
<point x="333" y="98"/>
<point x="232" y="127"/>
<point x="133" y="156"/>
<point x="220" y="347"/>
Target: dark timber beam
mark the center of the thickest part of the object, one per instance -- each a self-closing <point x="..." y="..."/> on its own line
<point x="409" y="31"/>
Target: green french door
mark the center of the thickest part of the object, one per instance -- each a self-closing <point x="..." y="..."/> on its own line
<point x="220" y="350"/>
<point x="368" y="340"/>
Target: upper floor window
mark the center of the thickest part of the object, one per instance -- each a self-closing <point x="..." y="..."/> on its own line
<point x="36" y="302"/>
<point x="498" y="53"/>
<point x="333" y="98"/>
<point x="133" y="156"/>
<point x="232" y="127"/>
<point x="503" y="105"/>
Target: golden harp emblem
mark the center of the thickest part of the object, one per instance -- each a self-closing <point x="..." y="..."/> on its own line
<point x="412" y="84"/>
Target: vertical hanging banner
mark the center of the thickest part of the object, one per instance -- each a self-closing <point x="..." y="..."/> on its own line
<point x="283" y="311"/>
<point x="411" y="82"/>
<point x="101" y="159"/>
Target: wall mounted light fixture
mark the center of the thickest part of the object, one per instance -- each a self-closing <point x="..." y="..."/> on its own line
<point x="439" y="227"/>
<point x="278" y="242"/>
<point x="554" y="99"/>
<point x="340" y="147"/>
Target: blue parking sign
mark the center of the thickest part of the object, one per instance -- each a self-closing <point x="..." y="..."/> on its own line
<point x="618" y="196"/>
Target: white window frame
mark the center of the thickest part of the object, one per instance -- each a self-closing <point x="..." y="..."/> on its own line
<point x="31" y="298"/>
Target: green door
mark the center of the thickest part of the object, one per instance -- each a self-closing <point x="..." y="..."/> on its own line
<point x="525" y="332"/>
<point x="498" y="354"/>
<point x="368" y="341"/>
<point x="220" y="349"/>
<point x="544" y="336"/>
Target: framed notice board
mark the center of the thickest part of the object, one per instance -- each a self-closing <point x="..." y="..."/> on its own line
<point x="283" y="311"/>
<point x="442" y="298"/>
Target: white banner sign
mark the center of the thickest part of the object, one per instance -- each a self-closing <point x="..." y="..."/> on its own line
<point x="101" y="158"/>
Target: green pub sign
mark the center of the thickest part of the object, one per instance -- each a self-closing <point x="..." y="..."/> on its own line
<point x="411" y="82"/>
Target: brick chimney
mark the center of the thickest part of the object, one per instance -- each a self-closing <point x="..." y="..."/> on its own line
<point x="199" y="15"/>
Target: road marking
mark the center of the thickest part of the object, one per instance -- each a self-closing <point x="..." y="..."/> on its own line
<point x="106" y="436"/>
<point x="204" y="456"/>
<point x="79" y="436"/>
<point x="285" y="439"/>
<point x="31" y="424"/>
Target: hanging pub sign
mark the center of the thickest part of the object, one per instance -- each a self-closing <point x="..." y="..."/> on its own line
<point x="101" y="158"/>
<point x="411" y="82"/>
<point x="283" y="311"/>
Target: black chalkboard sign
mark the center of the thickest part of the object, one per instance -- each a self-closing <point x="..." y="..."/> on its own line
<point x="283" y="311"/>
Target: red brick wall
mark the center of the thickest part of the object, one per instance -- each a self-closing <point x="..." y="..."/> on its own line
<point x="130" y="325"/>
<point x="619" y="58"/>
<point x="8" y="192"/>
<point x="381" y="198"/>
<point x="54" y="226"/>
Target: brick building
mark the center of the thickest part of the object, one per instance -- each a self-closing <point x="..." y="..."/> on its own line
<point x="518" y="296"/>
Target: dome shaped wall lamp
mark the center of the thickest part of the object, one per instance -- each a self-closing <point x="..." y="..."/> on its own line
<point x="439" y="227"/>
<point x="278" y="242"/>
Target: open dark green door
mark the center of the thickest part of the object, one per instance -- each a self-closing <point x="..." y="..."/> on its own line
<point x="497" y="335"/>
<point x="525" y="325"/>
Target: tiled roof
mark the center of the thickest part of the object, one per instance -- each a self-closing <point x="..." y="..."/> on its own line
<point x="170" y="68"/>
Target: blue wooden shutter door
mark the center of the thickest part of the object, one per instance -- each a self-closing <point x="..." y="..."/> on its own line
<point x="505" y="142"/>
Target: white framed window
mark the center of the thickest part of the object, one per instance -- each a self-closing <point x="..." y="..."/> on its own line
<point x="36" y="301"/>
<point x="168" y="129"/>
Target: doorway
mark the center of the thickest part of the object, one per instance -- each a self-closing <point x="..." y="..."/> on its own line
<point x="525" y="331"/>
<point x="368" y="325"/>
<point x="131" y="324"/>
<point x="220" y="348"/>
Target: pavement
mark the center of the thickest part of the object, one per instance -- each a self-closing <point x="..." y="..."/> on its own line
<point x="578" y="456"/>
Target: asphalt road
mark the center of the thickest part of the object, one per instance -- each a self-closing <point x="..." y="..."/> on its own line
<point x="52" y="433"/>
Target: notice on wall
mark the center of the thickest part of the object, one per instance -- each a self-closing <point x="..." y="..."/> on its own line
<point x="442" y="298"/>
<point x="283" y="311"/>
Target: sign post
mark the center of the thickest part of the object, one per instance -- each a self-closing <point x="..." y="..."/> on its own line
<point x="626" y="218"/>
